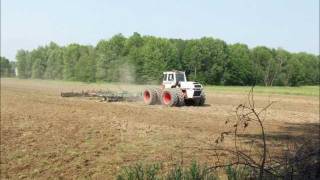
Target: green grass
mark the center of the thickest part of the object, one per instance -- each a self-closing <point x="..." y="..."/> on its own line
<point x="282" y="90"/>
<point x="193" y="171"/>
<point x="302" y="90"/>
<point x="156" y="172"/>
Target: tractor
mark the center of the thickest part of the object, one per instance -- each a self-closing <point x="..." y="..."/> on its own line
<point x="175" y="91"/>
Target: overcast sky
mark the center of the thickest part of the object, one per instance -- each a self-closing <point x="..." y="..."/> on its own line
<point x="290" y="24"/>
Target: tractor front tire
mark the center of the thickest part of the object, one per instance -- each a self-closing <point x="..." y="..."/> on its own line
<point x="150" y="96"/>
<point x="170" y="97"/>
<point x="200" y="101"/>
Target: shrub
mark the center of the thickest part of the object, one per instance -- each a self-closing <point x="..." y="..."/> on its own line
<point x="177" y="172"/>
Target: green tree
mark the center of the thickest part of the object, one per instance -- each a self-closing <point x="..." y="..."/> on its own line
<point x="22" y="61"/>
<point x="108" y="52"/>
<point x="240" y="67"/>
<point x="157" y="54"/>
<point x="54" y="68"/>
<point x="71" y="55"/>
<point x="105" y="56"/>
<point x="86" y="66"/>
<point x="37" y="69"/>
<point x="7" y="67"/>
<point x="142" y="59"/>
<point x="13" y="66"/>
<point x="206" y="59"/>
<point x="310" y="65"/>
<point x="134" y="53"/>
<point x="265" y="65"/>
<point x="38" y="62"/>
<point x="193" y="59"/>
<point x="180" y="46"/>
<point x="281" y="74"/>
<point x="133" y="42"/>
<point x="295" y="71"/>
<point x="117" y="45"/>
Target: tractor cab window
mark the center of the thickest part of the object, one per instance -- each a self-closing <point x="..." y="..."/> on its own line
<point x="180" y="77"/>
<point x="170" y="77"/>
<point x="165" y="77"/>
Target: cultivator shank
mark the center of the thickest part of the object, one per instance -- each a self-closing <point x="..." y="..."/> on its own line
<point x="108" y="96"/>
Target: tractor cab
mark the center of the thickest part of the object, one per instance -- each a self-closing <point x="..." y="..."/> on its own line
<point x="172" y="78"/>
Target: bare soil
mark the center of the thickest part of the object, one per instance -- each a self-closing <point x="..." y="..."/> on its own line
<point x="46" y="136"/>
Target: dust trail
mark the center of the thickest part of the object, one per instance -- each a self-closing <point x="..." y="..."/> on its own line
<point x="127" y="73"/>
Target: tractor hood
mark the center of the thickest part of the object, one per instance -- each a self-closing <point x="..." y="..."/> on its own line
<point x="190" y="85"/>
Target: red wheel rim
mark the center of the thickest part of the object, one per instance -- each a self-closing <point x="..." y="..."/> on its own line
<point x="166" y="98"/>
<point x="146" y="96"/>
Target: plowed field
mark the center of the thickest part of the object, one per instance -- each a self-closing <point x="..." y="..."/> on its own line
<point x="46" y="136"/>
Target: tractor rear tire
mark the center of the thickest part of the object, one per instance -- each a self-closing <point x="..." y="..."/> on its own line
<point x="159" y="93"/>
<point x="170" y="97"/>
<point x="150" y="96"/>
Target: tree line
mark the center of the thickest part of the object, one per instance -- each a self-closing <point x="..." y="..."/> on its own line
<point x="142" y="59"/>
<point x="7" y="68"/>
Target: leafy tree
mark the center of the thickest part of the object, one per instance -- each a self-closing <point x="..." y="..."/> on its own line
<point x="13" y="68"/>
<point x="240" y="67"/>
<point x="38" y="59"/>
<point x="157" y="53"/>
<point x="22" y="62"/>
<point x="180" y="46"/>
<point x="102" y="62"/>
<point x="193" y="59"/>
<point x="117" y="44"/>
<point x="207" y="59"/>
<point x="105" y="56"/>
<point x="142" y="59"/>
<point x="296" y="73"/>
<point x="265" y="65"/>
<point x="54" y="69"/>
<point x="86" y="66"/>
<point x="310" y="65"/>
<point x="281" y="71"/>
<point x="133" y="42"/>
<point x="37" y="69"/>
<point x="134" y="53"/>
<point x="71" y="55"/>
<point x="7" y="67"/>
<point x="108" y="52"/>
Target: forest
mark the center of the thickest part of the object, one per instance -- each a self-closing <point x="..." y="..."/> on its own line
<point x="7" y="68"/>
<point x="142" y="59"/>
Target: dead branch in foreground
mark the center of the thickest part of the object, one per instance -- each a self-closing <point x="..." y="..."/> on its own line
<point x="295" y="164"/>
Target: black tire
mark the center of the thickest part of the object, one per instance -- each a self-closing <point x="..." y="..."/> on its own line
<point x="169" y="97"/>
<point x="159" y="93"/>
<point x="200" y="101"/>
<point x="196" y="101"/>
<point x="150" y="96"/>
<point x="180" y="96"/>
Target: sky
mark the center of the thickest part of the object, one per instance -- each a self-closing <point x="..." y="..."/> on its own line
<point x="289" y="24"/>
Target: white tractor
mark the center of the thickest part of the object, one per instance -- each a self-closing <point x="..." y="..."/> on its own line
<point x="175" y="91"/>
